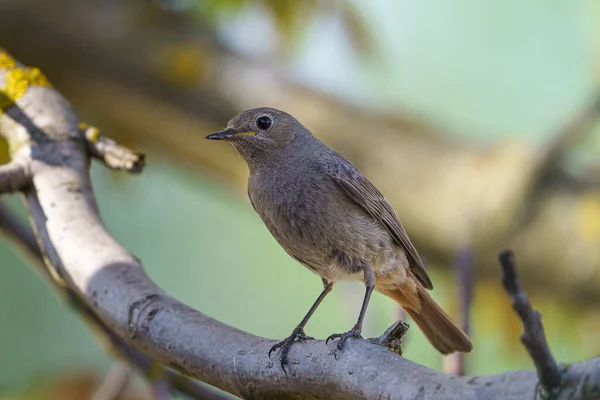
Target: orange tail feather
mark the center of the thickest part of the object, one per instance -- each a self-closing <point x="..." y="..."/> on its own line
<point x="437" y="326"/>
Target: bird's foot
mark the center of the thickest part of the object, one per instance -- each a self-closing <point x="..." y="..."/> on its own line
<point x="352" y="333"/>
<point x="296" y="336"/>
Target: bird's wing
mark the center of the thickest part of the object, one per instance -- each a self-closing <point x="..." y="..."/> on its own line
<point x="365" y="194"/>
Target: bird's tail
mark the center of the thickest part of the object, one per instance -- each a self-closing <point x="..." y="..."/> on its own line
<point x="437" y="326"/>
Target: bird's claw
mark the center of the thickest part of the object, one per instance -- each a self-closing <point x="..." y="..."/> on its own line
<point x="296" y="336"/>
<point x="352" y="333"/>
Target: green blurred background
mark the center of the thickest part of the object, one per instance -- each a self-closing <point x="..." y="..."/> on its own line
<point x="468" y="76"/>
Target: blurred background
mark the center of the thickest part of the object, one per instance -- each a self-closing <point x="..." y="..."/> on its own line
<point x="478" y="121"/>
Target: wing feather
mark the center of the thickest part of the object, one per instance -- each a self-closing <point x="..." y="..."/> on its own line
<point x="365" y="194"/>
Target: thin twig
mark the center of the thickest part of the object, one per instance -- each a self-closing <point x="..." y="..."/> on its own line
<point x="113" y="155"/>
<point x="463" y="267"/>
<point x="14" y="176"/>
<point x="114" y="384"/>
<point x="533" y="336"/>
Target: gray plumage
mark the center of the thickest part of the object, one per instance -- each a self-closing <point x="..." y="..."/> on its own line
<point x="328" y="216"/>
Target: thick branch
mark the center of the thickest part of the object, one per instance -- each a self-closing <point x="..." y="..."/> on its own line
<point x="14" y="177"/>
<point x="533" y="337"/>
<point x="115" y="287"/>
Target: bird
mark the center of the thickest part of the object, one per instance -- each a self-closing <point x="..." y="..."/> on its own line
<point x="330" y="218"/>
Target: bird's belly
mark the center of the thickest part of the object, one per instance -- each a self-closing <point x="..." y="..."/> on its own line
<point x="389" y="273"/>
<point x="334" y="238"/>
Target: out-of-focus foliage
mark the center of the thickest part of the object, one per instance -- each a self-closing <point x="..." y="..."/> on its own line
<point x="290" y="17"/>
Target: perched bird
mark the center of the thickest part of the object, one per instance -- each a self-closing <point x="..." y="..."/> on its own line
<point x="330" y="218"/>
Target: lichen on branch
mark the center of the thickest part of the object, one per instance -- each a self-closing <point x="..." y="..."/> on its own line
<point x="17" y="80"/>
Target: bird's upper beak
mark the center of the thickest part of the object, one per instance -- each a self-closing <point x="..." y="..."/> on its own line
<point x="228" y="134"/>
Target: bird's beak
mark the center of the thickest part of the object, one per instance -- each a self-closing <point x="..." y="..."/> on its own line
<point x="228" y="134"/>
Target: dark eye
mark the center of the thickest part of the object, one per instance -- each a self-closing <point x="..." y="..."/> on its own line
<point x="264" y="122"/>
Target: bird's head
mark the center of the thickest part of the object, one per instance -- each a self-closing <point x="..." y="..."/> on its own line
<point x="261" y="131"/>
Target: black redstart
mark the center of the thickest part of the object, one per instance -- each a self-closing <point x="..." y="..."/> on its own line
<point x="330" y="218"/>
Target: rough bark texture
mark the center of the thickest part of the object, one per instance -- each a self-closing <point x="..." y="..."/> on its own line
<point x="44" y="133"/>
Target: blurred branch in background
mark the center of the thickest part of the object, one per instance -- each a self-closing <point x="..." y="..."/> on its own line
<point x="115" y="383"/>
<point x="506" y="194"/>
<point x="465" y="283"/>
<point x="551" y="376"/>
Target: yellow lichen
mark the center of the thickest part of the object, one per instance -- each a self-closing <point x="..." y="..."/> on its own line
<point x="6" y="61"/>
<point x="92" y="134"/>
<point x="36" y="78"/>
<point x="18" y="81"/>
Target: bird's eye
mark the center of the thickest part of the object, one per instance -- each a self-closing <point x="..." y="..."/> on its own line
<point x="264" y="122"/>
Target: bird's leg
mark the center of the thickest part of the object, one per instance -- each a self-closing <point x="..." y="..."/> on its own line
<point x="298" y="332"/>
<point x="356" y="329"/>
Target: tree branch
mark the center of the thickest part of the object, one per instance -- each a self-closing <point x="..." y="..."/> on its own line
<point x="21" y="237"/>
<point x="576" y="129"/>
<point x="115" y="383"/>
<point x="14" y="176"/>
<point x="465" y="280"/>
<point x="110" y="153"/>
<point x="533" y="337"/>
<point x="114" y="286"/>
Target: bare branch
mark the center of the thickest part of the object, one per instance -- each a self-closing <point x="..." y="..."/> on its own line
<point x="533" y="337"/>
<point x="463" y="266"/>
<point x="115" y="383"/>
<point x="113" y="155"/>
<point x="392" y="337"/>
<point x="14" y="176"/>
<point x="21" y="236"/>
